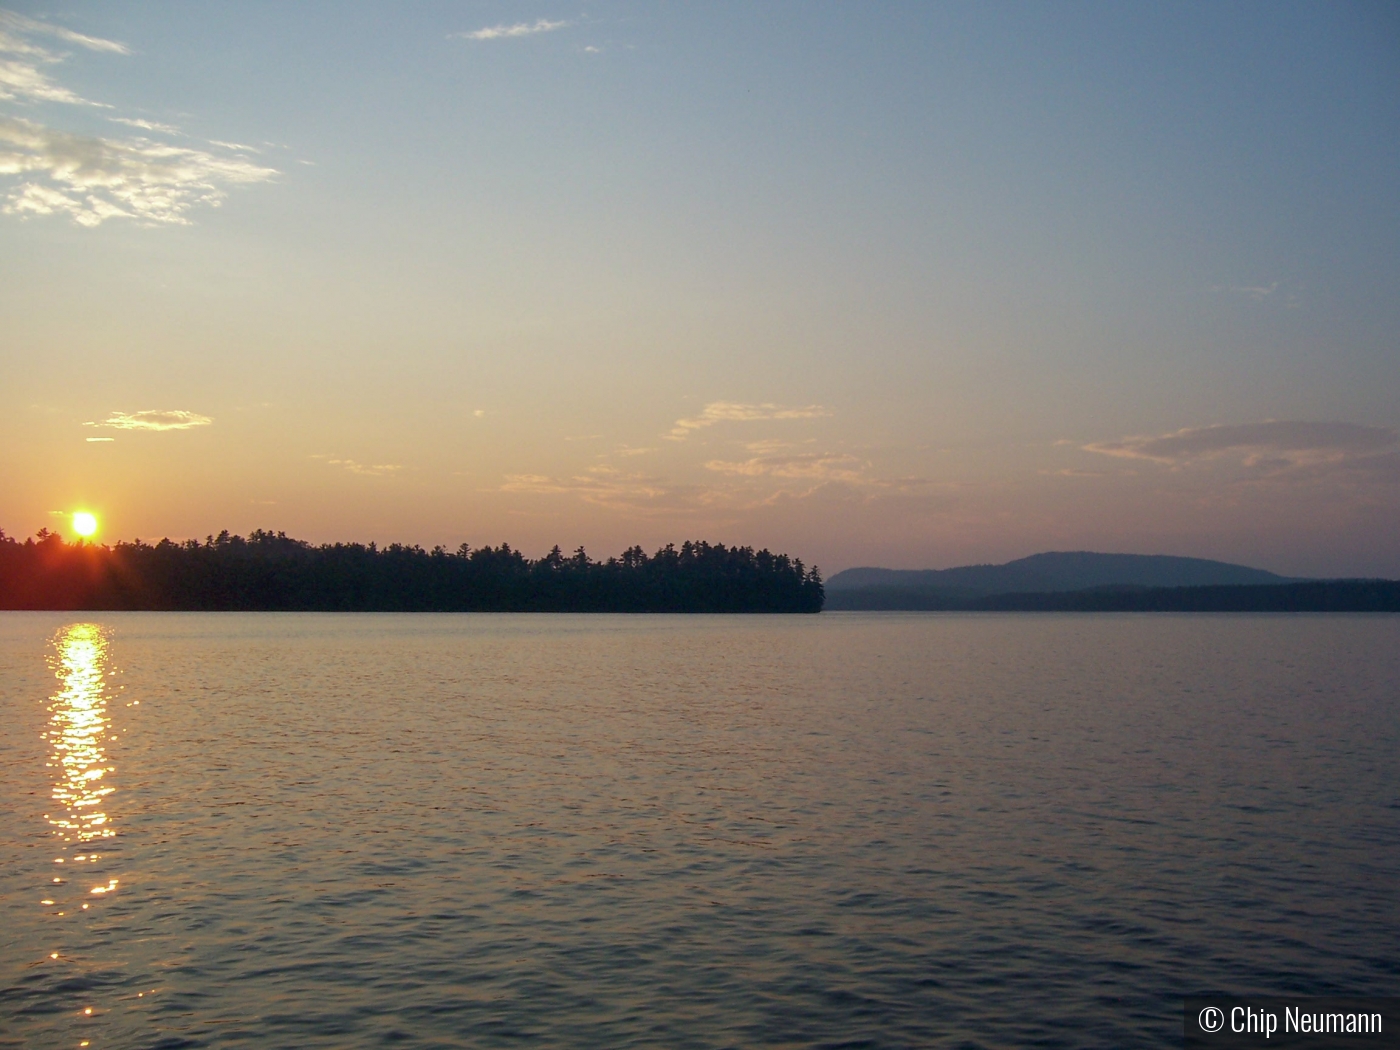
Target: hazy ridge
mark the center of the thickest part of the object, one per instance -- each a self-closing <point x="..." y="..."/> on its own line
<point x="1084" y="581"/>
<point x="1058" y="571"/>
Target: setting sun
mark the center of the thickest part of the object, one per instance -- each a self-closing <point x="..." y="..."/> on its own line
<point x="84" y="524"/>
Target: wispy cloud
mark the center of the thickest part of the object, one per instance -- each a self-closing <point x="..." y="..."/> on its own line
<point x="1286" y="295"/>
<point x="22" y="77"/>
<point x="95" y="179"/>
<point x="1270" y="444"/>
<point x="146" y="125"/>
<point x="21" y="24"/>
<point x="22" y="80"/>
<point x="377" y="470"/>
<point x="618" y="490"/>
<point x="237" y="147"/>
<point x="153" y="419"/>
<point x="735" y="411"/>
<point x="1257" y="292"/>
<point x="505" y="32"/>
<point x="779" y="471"/>
<point x="816" y="466"/>
<point x="742" y="487"/>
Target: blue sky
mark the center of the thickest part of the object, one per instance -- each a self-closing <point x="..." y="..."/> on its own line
<point x="912" y="285"/>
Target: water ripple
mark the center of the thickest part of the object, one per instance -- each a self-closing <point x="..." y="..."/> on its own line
<point x="842" y="831"/>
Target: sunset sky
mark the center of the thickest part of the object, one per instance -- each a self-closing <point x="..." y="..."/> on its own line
<point x="913" y="285"/>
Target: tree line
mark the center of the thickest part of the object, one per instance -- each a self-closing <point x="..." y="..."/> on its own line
<point x="271" y="571"/>
<point x="1307" y="596"/>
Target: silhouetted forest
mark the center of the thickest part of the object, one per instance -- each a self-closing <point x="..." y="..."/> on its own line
<point x="271" y="571"/>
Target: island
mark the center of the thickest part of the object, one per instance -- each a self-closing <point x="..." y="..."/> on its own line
<point x="269" y="571"/>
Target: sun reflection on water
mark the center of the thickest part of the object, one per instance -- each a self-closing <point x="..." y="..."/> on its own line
<point x="78" y="730"/>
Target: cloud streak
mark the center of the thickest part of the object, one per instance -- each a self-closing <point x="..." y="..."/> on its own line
<point x="772" y="471"/>
<point x="814" y="466"/>
<point x="24" y="81"/>
<point x="633" y="493"/>
<point x="92" y="180"/>
<point x="22" y="78"/>
<point x="504" y="32"/>
<point x="153" y="419"/>
<point x="1257" y="292"/>
<point x="736" y="411"/>
<point x="29" y="25"/>
<point x="1273" y="443"/>
<point x="374" y="470"/>
<point x="146" y="125"/>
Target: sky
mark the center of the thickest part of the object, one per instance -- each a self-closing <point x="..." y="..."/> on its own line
<point x="912" y="285"/>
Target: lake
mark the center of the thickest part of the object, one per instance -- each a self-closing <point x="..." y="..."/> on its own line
<point x="845" y="830"/>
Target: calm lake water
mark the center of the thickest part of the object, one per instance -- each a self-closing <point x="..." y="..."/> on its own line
<point x="848" y="830"/>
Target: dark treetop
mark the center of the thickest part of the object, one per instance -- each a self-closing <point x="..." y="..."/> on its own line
<point x="270" y="571"/>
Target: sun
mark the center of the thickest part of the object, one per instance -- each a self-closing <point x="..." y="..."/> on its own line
<point x="84" y="524"/>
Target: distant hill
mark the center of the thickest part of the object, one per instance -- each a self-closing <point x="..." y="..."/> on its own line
<point x="870" y="588"/>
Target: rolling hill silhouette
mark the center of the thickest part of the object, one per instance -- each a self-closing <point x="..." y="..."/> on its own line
<point x="1053" y="571"/>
